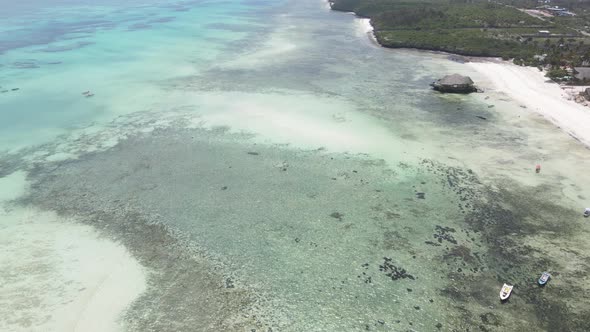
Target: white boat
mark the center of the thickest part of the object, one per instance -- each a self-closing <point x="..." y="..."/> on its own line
<point x="505" y="292"/>
<point x="544" y="278"/>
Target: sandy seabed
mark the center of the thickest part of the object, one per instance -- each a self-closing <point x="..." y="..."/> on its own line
<point x="529" y="87"/>
<point x="62" y="276"/>
<point x="58" y="275"/>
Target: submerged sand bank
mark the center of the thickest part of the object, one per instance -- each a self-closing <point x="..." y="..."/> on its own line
<point x="530" y="88"/>
<point x="58" y="275"/>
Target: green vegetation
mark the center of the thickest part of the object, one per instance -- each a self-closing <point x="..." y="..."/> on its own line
<point x="556" y="73"/>
<point x="459" y="41"/>
<point x="478" y="28"/>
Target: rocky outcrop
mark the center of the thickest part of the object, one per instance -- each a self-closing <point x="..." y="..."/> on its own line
<point x="582" y="97"/>
<point x="454" y="84"/>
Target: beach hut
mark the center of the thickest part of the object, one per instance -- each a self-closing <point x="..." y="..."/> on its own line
<point x="454" y="84"/>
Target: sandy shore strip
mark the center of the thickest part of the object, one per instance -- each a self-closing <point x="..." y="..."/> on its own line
<point x="529" y="87"/>
<point x="58" y="275"/>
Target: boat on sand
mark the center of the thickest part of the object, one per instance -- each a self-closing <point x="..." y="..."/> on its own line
<point x="505" y="292"/>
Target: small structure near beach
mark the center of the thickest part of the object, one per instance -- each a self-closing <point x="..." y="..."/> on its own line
<point x="454" y="84"/>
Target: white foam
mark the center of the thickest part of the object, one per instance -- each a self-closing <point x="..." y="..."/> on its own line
<point x="364" y="26"/>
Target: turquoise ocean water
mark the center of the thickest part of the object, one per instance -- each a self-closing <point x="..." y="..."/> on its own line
<point x="275" y="170"/>
<point x="117" y="51"/>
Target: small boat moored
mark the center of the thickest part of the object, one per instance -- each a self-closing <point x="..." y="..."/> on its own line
<point x="505" y="292"/>
<point x="544" y="278"/>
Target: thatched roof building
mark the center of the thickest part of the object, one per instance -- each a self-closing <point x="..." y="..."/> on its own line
<point x="455" y="84"/>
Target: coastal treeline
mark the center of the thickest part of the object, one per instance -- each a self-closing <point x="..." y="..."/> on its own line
<point x="476" y="28"/>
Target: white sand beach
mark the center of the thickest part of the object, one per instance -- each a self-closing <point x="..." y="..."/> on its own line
<point x="58" y="275"/>
<point x="530" y="88"/>
<point x="364" y="26"/>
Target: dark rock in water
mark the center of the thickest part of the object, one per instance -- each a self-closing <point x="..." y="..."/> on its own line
<point x="454" y="84"/>
<point x="438" y="326"/>
<point x="394" y="272"/>
<point x="229" y="283"/>
<point x="443" y="233"/>
<point x="417" y="307"/>
<point x="462" y="252"/>
<point x="420" y="195"/>
<point x="458" y="58"/>
<point x="224" y="188"/>
<point x="490" y="319"/>
<point x="25" y="64"/>
<point x="337" y="215"/>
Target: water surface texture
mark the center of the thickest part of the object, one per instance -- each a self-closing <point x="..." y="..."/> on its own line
<point x="274" y="170"/>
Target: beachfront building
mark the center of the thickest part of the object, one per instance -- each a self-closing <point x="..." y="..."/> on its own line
<point x="556" y="10"/>
<point x="454" y="84"/>
<point x="582" y="73"/>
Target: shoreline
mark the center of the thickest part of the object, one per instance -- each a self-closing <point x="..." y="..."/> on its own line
<point x="526" y="85"/>
<point x="529" y="87"/>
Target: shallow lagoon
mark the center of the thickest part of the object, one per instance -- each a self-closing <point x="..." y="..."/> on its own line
<point x="294" y="176"/>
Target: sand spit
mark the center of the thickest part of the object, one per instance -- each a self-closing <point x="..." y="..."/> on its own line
<point x="61" y="276"/>
<point x="183" y="291"/>
<point x="529" y="87"/>
<point x="87" y="270"/>
<point x="364" y="26"/>
<point x="58" y="275"/>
